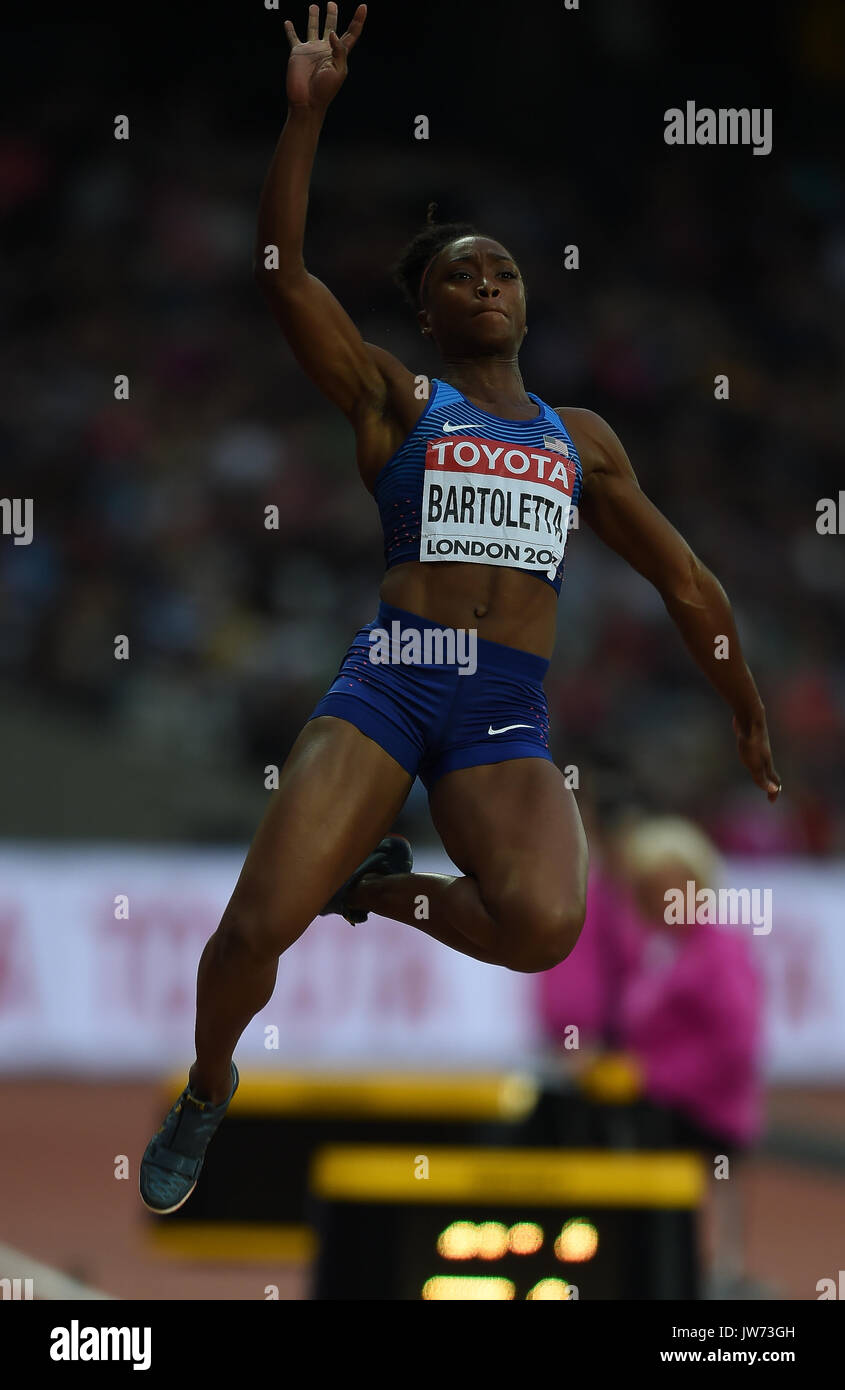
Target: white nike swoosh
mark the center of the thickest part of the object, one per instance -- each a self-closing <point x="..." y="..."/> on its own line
<point x="491" y="730"/>
<point x="451" y="429"/>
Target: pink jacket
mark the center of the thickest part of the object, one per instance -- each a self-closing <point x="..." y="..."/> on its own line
<point x="688" y="1006"/>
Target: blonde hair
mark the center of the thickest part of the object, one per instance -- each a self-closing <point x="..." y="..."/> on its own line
<point x="659" y="840"/>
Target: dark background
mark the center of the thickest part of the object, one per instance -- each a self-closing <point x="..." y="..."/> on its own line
<point x="546" y="130"/>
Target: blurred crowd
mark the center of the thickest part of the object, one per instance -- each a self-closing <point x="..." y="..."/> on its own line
<point x="135" y="258"/>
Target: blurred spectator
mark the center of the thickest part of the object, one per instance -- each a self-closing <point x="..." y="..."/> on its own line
<point x="690" y="1004"/>
<point x="684" y="1001"/>
<point x="678" y="1006"/>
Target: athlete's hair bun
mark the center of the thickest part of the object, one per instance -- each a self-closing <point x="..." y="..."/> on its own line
<point x="407" y="271"/>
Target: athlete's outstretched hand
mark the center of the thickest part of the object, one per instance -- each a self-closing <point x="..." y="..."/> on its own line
<point x="317" y="68"/>
<point x="753" y="745"/>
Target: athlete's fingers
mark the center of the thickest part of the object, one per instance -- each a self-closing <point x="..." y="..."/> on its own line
<point x="764" y="774"/>
<point x="331" y="19"/>
<point x="356" y="24"/>
<point x="773" y="781"/>
<point x="293" y="38"/>
<point x="338" y="51"/>
<point x="771" y="778"/>
<point x="313" y="23"/>
<point x="757" y="756"/>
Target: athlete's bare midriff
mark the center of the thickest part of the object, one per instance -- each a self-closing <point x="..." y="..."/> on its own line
<point x="502" y="605"/>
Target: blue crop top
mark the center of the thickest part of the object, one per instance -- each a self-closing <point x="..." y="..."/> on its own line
<point x="470" y="486"/>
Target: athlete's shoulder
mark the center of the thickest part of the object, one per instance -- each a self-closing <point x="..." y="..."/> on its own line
<point x="407" y="393"/>
<point x="397" y="375"/>
<point x="599" y="447"/>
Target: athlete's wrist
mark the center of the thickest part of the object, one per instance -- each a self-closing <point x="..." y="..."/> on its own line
<point x="305" y="113"/>
<point x="749" y="718"/>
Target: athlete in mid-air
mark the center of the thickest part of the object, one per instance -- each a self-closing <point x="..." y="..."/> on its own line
<point x="476" y="483"/>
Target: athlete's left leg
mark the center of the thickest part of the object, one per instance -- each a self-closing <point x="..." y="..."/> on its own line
<point x="515" y="832"/>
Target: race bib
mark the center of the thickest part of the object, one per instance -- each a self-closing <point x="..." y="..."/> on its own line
<point x="496" y="503"/>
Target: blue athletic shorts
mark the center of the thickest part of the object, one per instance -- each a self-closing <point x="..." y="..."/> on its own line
<point x="426" y="710"/>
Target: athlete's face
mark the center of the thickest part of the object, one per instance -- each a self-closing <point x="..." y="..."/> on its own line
<point x="474" y="299"/>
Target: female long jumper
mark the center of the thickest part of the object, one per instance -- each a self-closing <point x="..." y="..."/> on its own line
<point x="476" y="481"/>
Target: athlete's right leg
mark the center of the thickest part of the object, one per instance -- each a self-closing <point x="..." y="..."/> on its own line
<point x="339" y="794"/>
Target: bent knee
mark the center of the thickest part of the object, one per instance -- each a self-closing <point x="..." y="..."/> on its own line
<point x="540" y="935"/>
<point x="247" y="928"/>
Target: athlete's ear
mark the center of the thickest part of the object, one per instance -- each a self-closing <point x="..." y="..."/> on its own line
<point x="422" y="316"/>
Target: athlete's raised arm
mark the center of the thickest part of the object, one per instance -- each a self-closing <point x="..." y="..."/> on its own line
<point x="616" y="508"/>
<point x="325" y="341"/>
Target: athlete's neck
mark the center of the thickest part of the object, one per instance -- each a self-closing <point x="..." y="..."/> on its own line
<point x="488" y="382"/>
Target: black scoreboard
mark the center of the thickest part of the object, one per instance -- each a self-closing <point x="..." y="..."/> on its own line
<point x="503" y="1225"/>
